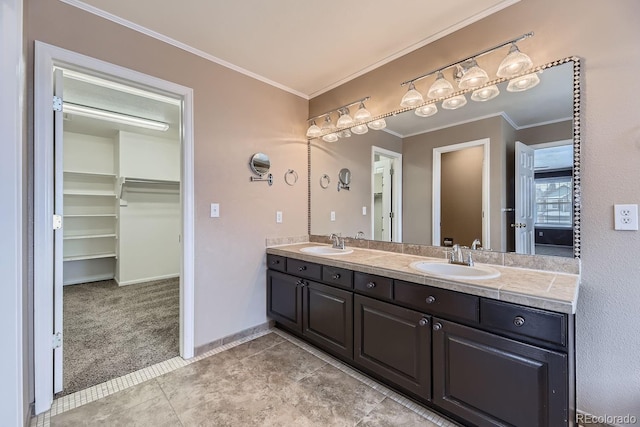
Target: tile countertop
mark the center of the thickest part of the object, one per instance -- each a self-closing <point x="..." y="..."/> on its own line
<point x="540" y="289"/>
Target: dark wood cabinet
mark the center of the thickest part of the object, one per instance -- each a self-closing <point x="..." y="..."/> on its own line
<point x="328" y="317"/>
<point x="284" y="300"/>
<point x="490" y="380"/>
<point x="394" y="343"/>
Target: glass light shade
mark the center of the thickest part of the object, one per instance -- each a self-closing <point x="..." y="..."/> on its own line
<point x="440" y="88"/>
<point x="362" y="115"/>
<point x="426" y="110"/>
<point x="330" y="137"/>
<point x="328" y="126"/>
<point x="412" y="98"/>
<point x="473" y="77"/>
<point x="377" y="124"/>
<point x="314" y="130"/>
<point x="344" y="133"/>
<point x="360" y="129"/>
<point x="522" y="83"/>
<point x="514" y="63"/>
<point x="485" y="94"/>
<point x="454" y="103"/>
<point x="345" y="120"/>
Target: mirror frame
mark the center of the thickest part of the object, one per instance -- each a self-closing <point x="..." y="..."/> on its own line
<point x="577" y="141"/>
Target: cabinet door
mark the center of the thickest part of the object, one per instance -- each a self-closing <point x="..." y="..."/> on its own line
<point x="328" y="318"/>
<point x="394" y="343"/>
<point x="284" y="299"/>
<point x="490" y="380"/>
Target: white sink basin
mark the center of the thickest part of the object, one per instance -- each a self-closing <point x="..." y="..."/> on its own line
<point x="325" y="250"/>
<point x="455" y="271"/>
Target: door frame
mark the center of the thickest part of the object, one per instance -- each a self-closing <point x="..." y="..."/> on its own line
<point x="436" y="197"/>
<point x="46" y="57"/>
<point x="396" y="199"/>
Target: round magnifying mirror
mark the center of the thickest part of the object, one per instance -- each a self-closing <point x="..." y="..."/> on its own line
<point x="260" y="164"/>
<point x="344" y="176"/>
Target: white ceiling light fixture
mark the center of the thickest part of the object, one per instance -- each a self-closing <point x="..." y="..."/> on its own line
<point x="109" y="84"/>
<point x="346" y="126"/>
<point x="360" y="129"/>
<point x="362" y="115"/>
<point x="426" y="110"/>
<point x="378" y="124"/>
<point x="345" y="120"/>
<point x="314" y="130"/>
<point x="454" y="103"/>
<point x="440" y="88"/>
<point x="412" y="98"/>
<point x="485" y="93"/>
<point x="522" y="83"/>
<point x="472" y="76"/>
<point x="329" y="127"/>
<point x="514" y="63"/>
<point x="113" y="117"/>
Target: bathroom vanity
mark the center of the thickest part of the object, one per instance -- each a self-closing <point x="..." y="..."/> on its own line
<point x="485" y="352"/>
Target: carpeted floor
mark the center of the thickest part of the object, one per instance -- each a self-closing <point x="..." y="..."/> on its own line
<point x="110" y="331"/>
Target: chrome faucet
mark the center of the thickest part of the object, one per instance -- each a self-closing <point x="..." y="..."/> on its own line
<point x="337" y="241"/>
<point x="359" y="235"/>
<point x="457" y="256"/>
<point x="476" y="244"/>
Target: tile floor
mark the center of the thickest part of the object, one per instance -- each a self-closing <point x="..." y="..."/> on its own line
<point x="270" y="379"/>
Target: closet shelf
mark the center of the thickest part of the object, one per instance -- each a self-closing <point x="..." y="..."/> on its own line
<point x="86" y="173"/>
<point x="89" y="193"/>
<point x="157" y="185"/>
<point x="93" y="256"/>
<point x="89" y="236"/>
<point x="104" y="215"/>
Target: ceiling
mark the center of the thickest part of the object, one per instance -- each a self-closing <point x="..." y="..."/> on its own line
<point x="303" y="47"/>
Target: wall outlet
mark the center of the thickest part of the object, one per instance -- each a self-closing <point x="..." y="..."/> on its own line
<point x="364" y="210"/>
<point x="215" y="210"/>
<point x="278" y="217"/>
<point x="626" y="217"/>
<point x="333" y="216"/>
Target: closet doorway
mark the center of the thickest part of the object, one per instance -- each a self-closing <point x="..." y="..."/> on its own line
<point x="113" y="168"/>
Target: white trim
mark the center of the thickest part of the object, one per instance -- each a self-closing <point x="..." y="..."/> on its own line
<point x="550" y="144"/>
<point x="397" y="198"/>
<point x="437" y="173"/>
<point x="154" y="34"/>
<point x="46" y="57"/>
<point x="12" y="79"/>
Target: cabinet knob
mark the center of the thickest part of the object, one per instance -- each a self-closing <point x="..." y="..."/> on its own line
<point x="430" y="299"/>
<point x="303" y="268"/>
<point x="336" y="276"/>
<point x="437" y="326"/>
<point x="277" y="261"/>
<point x="518" y="321"/>
<point x="423" y="322"/>
<point x="299" y="283"/>
<point x="370" y="285"/>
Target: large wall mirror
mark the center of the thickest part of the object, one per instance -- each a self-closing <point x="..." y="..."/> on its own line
<point x="460" y="176"/>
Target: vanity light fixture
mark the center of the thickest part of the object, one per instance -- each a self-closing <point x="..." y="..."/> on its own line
<point x="362" y="115"/>
<point x="360" y="129"/>
<point x="426" y="110"/>
<point x="346" y="125"/>
<point x="470" y="76"/>
<point x="378" y="124"/>
<point x="412" y="98"/>
<point x="112" y="116"/>
<point x="314" y="130"/>
<point x="345" y="120"/>
<point x="328" y="126"/>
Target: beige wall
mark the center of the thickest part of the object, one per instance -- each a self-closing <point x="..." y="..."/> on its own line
<point x="230" y="290"/>
<point x="354" y="154"/>
<point x="605" y="35"/>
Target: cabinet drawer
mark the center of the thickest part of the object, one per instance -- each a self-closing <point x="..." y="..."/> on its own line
<point x="277" y="262"/>
<point x="437" y="301"/>
<point x="337" y="276"/>
<point x="376" y="286"/>
<point x="524" y="321"/>
<point x="304" y="269"/>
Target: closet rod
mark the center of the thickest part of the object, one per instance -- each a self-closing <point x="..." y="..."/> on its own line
<point x="124" y="180"/>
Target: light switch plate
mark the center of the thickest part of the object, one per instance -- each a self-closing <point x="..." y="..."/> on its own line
<point x="626" y="217"/>
<point x="215" y="210"/>
<point x="364" y="210"/>
<point x="333" y="216"/>
<point x="278" y="217"/>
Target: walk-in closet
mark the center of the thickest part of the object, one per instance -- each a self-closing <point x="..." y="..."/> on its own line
<point x="121" y="222"/>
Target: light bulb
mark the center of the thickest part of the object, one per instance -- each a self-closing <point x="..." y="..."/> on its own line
<point x="454" y="103"/>
<point x="485" y="94"/>
<point x="514" y="63"/>
<point x="440" y="88"/>
<point x="522" y="83"/>
<point x="412" y="98"/>
<point x="426" y="110"/>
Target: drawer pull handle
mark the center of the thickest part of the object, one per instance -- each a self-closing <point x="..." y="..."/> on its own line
<point x="303" y="268"/>
<point x="430" y="299"/>
<point x="277" y="261"/>
<point x="423" y="322"/>
<point x="299" y="283"/>
<point x="370" y="285"/>
<point x="437" y="326"/>
<point x="336" y="276"/>
<point x="518" y="321"/>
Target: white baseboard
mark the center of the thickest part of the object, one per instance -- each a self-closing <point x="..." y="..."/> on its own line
<point x="146" y="279"/>
<point x="87" y="279"/>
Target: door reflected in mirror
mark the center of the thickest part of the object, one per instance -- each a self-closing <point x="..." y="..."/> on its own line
<point x="540" y="118"/>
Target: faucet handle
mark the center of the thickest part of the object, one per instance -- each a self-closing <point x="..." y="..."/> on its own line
<point x="470" y="262"/>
